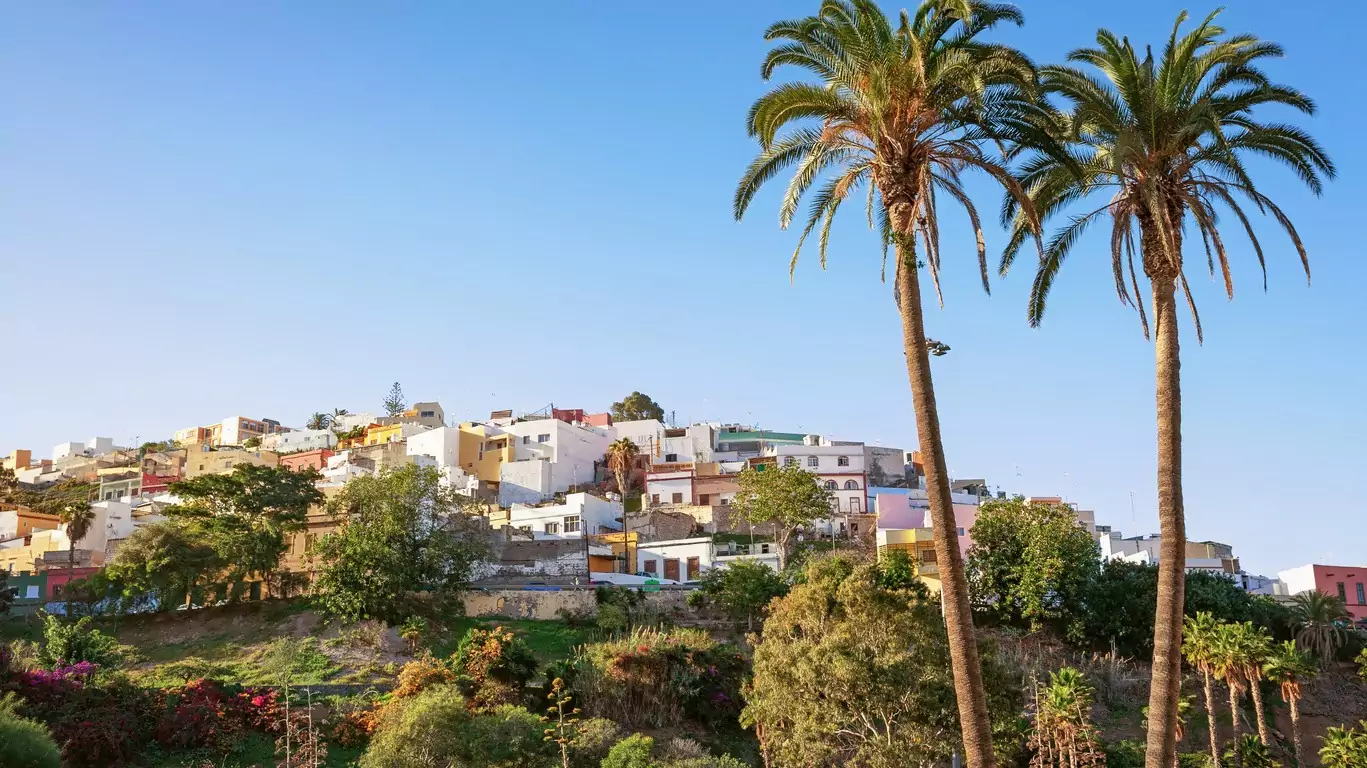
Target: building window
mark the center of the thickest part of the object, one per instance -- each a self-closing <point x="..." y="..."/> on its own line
<point x="959" y="531"/>
<point x="427" y="414"/>
<point x="704" y="499"/>
<point x="525" y="528"/>
<point x="927" y="555"/>
<point x="854" y="504"/>
<point x="830" y="485"/>
<point x="789" y="461"/>
<point x="526" y="439"/>
<point x="649" y="566"/>
<point x="677" y="498"/>
<point x="842" y="461"/>
<point x="31" y="592"/>
<point x="851" y="485"/>
<point x="552" y="527"/>
<point x="764" y="549"/>
<point x="813" y="461"/>
<point x="543" y="438"/>
<point x="1362" y="599"/>
<point x="725" y="501"/>
<point x="1343" y="594"/>
<point x="654" y="498"/>
<point x="572" y="524"/>
<point x="670" y="458"/>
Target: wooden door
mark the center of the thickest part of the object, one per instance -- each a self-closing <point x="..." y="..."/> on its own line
<point x="672" y="569"/>
<point x="692" y="568"/>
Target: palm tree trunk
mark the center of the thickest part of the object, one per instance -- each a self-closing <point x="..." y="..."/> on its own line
<point x="1296" y="730"/>
<point x="70" y="568"/>
<point x="1256" y="692"/>
<point x="1167" y="630"/>
<point x="963" y="647"/>
<point x="1210" y="717"/>
<point x="1234" y="709"/>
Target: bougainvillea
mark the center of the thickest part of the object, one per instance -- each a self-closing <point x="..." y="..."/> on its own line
<point x="205" y="713"/>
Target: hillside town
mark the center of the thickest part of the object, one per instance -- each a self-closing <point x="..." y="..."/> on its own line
<point x="545" y="484"/>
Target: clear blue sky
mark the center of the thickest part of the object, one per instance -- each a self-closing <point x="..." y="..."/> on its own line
<point x="266" y="210"/>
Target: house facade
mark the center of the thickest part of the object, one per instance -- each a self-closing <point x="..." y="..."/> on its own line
<point x="1347" y="582"/>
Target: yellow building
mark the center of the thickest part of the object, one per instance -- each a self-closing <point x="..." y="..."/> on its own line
<point x="483" y="450"/>
<point x="21" y="521"/>
<point x="17" y="459"/>
<point x="21" y="556"/>
<point x="919" y="544"/>
<point x="206" y="462"/>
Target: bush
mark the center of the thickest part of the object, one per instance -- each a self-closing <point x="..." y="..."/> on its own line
<point x="594" y="740"/>
<point x="1125" y="754"/>
<point x="498" y="663"/>
<point x="24" y="743"/>
<point x="657" y="678"/>
<point x="631" y="752"/>
<point x="421" y="674"/>
<point x="207" y="714"/>
<point x="104" y="724"/>
<point x="71" y="643"/>
<point x="436" y="727"/>
<point x="742" y="591"/>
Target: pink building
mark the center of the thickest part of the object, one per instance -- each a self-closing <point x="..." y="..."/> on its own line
<point x="1347" y="582"/>
<point x="895" y="512"/>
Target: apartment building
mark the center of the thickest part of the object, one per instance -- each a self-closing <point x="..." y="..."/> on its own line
<point x="1347" y="582"/>
<point x="217" y="462"/>
<point x="234" y="430"/>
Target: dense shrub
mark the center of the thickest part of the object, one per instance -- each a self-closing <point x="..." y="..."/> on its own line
<point x="24" y="743"/>
<point x="498" y="663"/>
<point x="594" y="738"/>
<point x="631" y="752"/>
<point x="437" y="727"/>
<point x="421" y="674"/>
<point x="656" y="678"/>
<point x="208" y="714"/>
<point x="71" y="643"/>
<point x="103" y="723"/>
<point x="637" y="751"/>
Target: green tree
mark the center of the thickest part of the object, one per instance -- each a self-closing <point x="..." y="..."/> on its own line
<point x="252" y="443"/>
<point x="318" y="420"/>
<point x="6" y="598"/>
<point x="402" y="532"/>
<point x="898" y="113"/>
<point x="394" y="403"/>
<point x="1290" y="668"/>
<point x="9" y="486"/>
<point x="621" y="453"/>
<point x="1198" y="646"/>
<point x="1239" y="650"/>
<point x="1164" y="141"/>
<point x="847" y="672"/>
<point x="787" y="497"/>
<point x="246" y="516"/>
<point x="743" y="590"/>
<point x="1320" y="621"/>
<point x="78" y="516"/>
<point x="1031" y="563"/>
<point x="635" y="407"/>
<point x="164" y="560"/>
<point x="437" y="727"/>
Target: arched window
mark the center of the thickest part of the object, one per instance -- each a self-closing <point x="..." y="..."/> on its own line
<point x="851" y="485"/>
<point x="830" y="485"/>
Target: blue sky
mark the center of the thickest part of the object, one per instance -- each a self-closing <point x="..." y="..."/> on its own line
<point x="217" y="209"/>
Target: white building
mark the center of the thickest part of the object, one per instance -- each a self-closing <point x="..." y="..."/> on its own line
<point x="349" y="421"/>
<point x="687" y="559"/>
<point x="647" y="434"/>
<point x="695" y="443"/>
<point x="672" y="487"/>
<point x="442" y="445"/>
<point x="579" y="513"/>
<point x="64" y="450"/>
<point x="838" y="467"/>
<point x="341" y="468"/>
<point x="549" y="457"/>
<point x="299" y="440"/>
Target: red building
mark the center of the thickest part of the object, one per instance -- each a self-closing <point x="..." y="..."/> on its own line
<point x="315" y="459"/>
<point x="152" y="484"/>
<point x="58" y="577"/>
<point x="572" y="415"/>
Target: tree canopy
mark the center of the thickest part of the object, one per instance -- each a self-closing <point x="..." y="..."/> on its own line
<point x="394" y="403"/>
<point x="1031" y="563"/>
<point x="402" y="532"/>
<point x="636" y="406"/>
<point x="789" y="497"/>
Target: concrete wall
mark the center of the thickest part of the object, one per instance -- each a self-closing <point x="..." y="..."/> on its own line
<point x="667" y="486"/>
<point x="63" y="450"/>
<point x="299" y="440"/>
<point x="524" y="482"/>
<point x="528" y="604"/>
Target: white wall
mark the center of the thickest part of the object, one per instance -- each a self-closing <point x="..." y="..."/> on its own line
<point x="524" y="482"/>
<point x="571" y="451"/>
<point x="1298" y="580"/>
<point x="99" y="446"/>
<point x="442" y="444"/>
<point x="299" y="440"/>
<point x="353" y="420"/>
<point x="645" y="433"/>
<point x="63" y="450"/>
<point x="594" y="513"/>
<point x="668" y="485"/>
<point x="675" y="549"/>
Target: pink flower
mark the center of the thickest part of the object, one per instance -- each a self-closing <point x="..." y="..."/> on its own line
<point x="258" y="701"/>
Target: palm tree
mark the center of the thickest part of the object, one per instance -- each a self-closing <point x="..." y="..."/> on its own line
<point x="1228" y="658"/>
<point x="1184" y="707"/>
<point x="318" y="421"/>
<point x="1318" y="619"/>
<point x="1256" y="645"/>
<point x="620" y="455"/>
<point x="1167" y="140"/>
<point x="1198" y="645"/>
<point x="899" y="113"/>
<point x="1289" y="667"/>
<point x="79" y="517"/>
